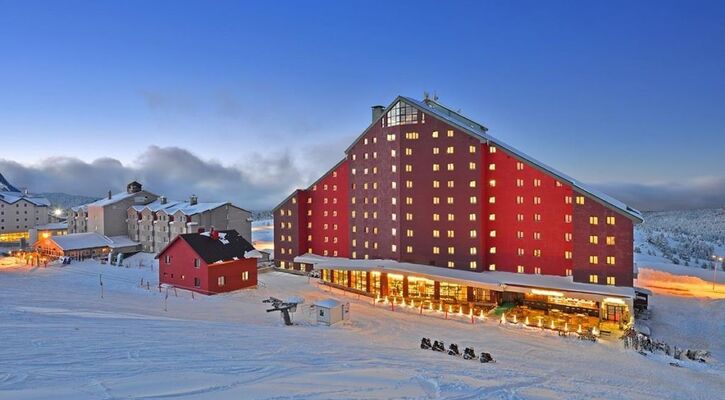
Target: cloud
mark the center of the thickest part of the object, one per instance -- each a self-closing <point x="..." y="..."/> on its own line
<point x="258" y="183"/>
<point x="701" y="192"/>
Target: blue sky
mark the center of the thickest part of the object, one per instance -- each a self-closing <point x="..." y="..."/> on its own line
<point x="619" y="94"/>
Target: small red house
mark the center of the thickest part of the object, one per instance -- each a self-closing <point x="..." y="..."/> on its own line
<point x="208" y="262"/>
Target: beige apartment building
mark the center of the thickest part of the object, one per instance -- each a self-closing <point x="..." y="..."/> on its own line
<point x="107" y="216"/>
<point x="20" y="211"/>
<point x="154" y="225"/>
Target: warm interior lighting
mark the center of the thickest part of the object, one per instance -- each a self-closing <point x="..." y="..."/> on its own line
<point x="547" y="293"/>
<point x="612" y="300"/>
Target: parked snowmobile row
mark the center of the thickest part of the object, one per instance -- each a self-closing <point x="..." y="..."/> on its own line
<point x="468" y="353"/>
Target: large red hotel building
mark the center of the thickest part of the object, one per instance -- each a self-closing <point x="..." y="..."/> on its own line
<point x="427" y="206"/>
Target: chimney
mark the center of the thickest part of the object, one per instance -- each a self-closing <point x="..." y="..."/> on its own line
<point x="193" y="200"/>
<point x="214" y="234"/>
<point x="109" y="195"/>
<point x="377" y="112"/>
<point x="162" y="199"/>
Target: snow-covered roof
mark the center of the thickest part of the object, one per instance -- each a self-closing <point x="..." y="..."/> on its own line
<point x="83" y="207"/>
<point x="90" y="240"/>
<point x="114" y="199"/>
<point x="52" y="226"/>
<point x="156" y="205"/>
<point x="12" y="197"/>
<point x="187" y="209"/>
<point x="327" y="303"/>
<point x="489" y="279"/>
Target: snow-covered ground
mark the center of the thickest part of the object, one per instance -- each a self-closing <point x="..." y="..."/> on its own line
<point x="61" y="340"/>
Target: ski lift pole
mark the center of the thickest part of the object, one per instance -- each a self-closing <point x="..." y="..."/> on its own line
<point x="100" y="280"/>
<point x="166" y="299"/>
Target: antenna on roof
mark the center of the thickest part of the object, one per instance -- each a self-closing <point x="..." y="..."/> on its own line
<point x="435" y="96"/>
<point x="426" y="95"/>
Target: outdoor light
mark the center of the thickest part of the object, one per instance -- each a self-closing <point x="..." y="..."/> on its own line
<point x="612" y="300"/>
<point x="57" y="212"/>
<point x="547" y="293"/>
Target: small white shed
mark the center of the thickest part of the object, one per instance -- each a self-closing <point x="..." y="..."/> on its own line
<point x="331" y="311"/>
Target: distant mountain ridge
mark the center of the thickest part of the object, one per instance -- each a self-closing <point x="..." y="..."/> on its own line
<point x="65" y="200"/>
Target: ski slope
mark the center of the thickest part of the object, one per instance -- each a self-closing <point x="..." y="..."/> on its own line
<point x="61" y="340"/>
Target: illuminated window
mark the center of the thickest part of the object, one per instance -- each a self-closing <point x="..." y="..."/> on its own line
<point x="567" y="237"/>
<point x="594" y="220"/>
<point x="537" y="270"/>
<point x="450" y="133"/>
<point x="436" y="167"/>
<point x="567" y="199"/>
<point x="520" y="251"/>
<point x="436" y="233"/>
<point x="409" y="233"/>
<point x="436" y="217"/>
<point x="537" y="200"/>
<point x="593" y="239"/>
<point x="472" y="216"/>
<point x="593" y="260"/>
<point x="354" y="229"/>
<point x="492" y="167"/>
<point x="393" y="185"/>
<point x="472" y="184"/>
<point x="436" y="200"/>
<point x="451" y="217"/>
<point x="537" y="235"/>
<point x="408" y="249"/>
<point x="436" y="250"/>
<point x="492" y="200"/>
<point x="354" y="157"/>
<point x="449" y="200"/>
<point x="451" y="184"/>
<point x="593" y="278"/>
<point x="580" y="199"/>
<point x="471" y="149"/>
<point x="519" y="199"/>
<point x="435" y="134"/>
<point x="436" y="150"/>
<point x="519" y="182"/>
<point x="450" y="167"/>
<point x="354" y="254"/>
<point x="393" y="168"/>
<point x="393" y="248"/>
<point x="492" y="250"/>
<point x="610" y="240"/>
<point x="473" y="200"/>
<point x="492" y="183"/>
<point x="611" y="281"/>
<point x="473" y="233"/>
<point x="450" y="233"/>
<point x="408" y="168"/>
<point x="451" y="250"/>
<point x="567" y="255"/>
<point x="408" y="151"/>
<point x="409" y="184"/>
<point x="411" y="135"/>
<point x="492" y="233"/>
<point x="567" y="218"/>
<point x="537" y="252"/>
<point x="366" y="141"/>
<point x="611" y="260"/>
<point x="492" y="149"/>
<point x="473" y="251"/>
<point x="491" y="267"/>
<point x="450" y="150"/>
<point x="610" y="220"/>
<point x="408" y="216"/>
<point x="567" y="272"/>
<point x="472" y="166"/>
<point x="451" y="264"/>
<point x="519" y="165"/>
<point x="436" y="184"/>
<point x="375" y="170"/>
<point x="391" y="137"/>
<point x="394" y="216"/>
<point x="537" y="182"/>
<point x="394" y="200"/>
<point x="491" y="217"/>
<point x="520" y="217"/>
<point x="473" y="265"/>
<point x="520" y="269"/>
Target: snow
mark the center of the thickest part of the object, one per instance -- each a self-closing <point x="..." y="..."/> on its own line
<point x="10" y="197"/>
<point x="327" y="303"/>
<point x="52" y="226"/>
<point x="89" y="240"/>
<point x="61" y="340"/>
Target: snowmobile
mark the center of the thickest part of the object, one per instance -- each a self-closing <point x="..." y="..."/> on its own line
<point x="486" y="358"/>
<point x="469" y="354"/>
<point x="425" y="344"/>
<point x="438" y="346"/>
<point x="453" y="350"/>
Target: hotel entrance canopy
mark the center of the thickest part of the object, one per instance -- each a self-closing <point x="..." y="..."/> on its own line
<point x="492" y="280"/>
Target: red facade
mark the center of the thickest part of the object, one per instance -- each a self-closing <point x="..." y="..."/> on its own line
<point x="177" y="267"/>
<point x="420" y="189"/>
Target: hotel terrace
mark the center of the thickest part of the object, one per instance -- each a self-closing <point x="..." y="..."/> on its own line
<point x="428" y="208"/>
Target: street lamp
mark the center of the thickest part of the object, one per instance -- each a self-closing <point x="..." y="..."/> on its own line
<point x="715" y="260"/>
